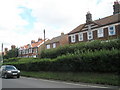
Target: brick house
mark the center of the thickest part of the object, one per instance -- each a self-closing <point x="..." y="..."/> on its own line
<point x="102" y="29"/>
<point x="30" y="50"/>
<point x="57" y="41"/>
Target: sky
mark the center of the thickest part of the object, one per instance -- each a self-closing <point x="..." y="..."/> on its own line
<point x="24" y="20"/>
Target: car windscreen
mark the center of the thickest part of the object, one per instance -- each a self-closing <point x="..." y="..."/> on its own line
<point x="10" y="68"/>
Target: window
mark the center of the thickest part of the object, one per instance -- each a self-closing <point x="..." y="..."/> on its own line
<point x="111" y="30"/>
<point x="30" y="50"/>
<point x="100" y="32"/>
<point x="48" y="46"/>
<point x="20" y="52"/>
<point x="73" y="38"/>
<point x="23" y="51"/>
<point x="90" y="36"/>
<point x="26" y="51"/>
<point x="54" y="45"/>
<point x="36" y="50"/>
<point x="80" y="36"/>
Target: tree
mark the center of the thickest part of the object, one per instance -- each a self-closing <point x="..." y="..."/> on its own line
<point x="11" y="53"/>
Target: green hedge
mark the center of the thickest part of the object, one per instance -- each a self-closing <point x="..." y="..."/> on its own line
<point x="97" y="61"/>
<point x="81" y="48"/>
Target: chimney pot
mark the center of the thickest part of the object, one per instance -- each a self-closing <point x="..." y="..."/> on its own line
<point x="32" y="41"/>
<point x="39" y="39"/>
<point x="13" y="47"/>
<point x="88" y="17"/>
<point x="62" y="34"/>
<point x="116" y="7"/>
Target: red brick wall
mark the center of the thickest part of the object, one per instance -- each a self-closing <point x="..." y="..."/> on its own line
<point x="85" y="37"/>
<point x="64" y="40"/>
<point x="95" y="34"/>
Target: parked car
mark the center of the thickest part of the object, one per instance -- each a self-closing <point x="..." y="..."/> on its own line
<point x="7" y="71"/>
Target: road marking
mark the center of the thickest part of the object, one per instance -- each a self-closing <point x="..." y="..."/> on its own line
<point x="92" y="86"/>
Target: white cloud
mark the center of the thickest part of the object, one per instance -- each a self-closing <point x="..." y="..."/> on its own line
<point x="55" y="16"/>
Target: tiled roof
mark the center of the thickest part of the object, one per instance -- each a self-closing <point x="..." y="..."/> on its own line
<point x="77" y="29"/>
<point x="55" y="39"/>
<point x="36" y="44"/>
<point x="108" y="20"/>
<point x="101" y="22"/>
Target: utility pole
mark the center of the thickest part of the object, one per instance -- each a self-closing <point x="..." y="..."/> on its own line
<point x="44" y="37"/>
<point x="2" y="47"/>
<point x="1" y="61"/>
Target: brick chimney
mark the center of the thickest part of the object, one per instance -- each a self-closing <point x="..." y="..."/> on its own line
<point x="116" y="7"/>
<point x="32" y="41"/>
<point x="13" y="47"/>
<point x="88" y="17"/>
<point x="39" y="39"/>
<point x="62" y="34"/>
<point x="6" y="49"/>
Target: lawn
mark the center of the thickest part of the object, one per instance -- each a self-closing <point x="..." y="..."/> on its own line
<point x="86" y="77"/>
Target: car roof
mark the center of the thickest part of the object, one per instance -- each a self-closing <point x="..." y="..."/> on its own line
<point x="7" y="65"/>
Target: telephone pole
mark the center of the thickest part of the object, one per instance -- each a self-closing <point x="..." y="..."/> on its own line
<point x="44" y="36"/>
<point x="44" y="40"/>
<point x="1" y="61"/>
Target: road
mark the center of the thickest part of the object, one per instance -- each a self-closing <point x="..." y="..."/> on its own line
<point x="24" y="82"/>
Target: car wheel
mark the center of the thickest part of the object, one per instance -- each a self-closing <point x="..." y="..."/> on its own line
<point x="18" y="76"/>
<point x="6" y="76"/>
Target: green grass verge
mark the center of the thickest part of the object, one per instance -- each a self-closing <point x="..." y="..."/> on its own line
<point x="95" y="78"/>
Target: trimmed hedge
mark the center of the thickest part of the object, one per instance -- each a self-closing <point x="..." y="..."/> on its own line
<point x="81" y="48"/>
<point x="97" y="61"/>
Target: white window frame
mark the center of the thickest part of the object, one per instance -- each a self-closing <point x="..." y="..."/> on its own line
<point x="109" y="30"/>
<point x="23" y="51"/>
<point x="26" y="51"/>
<point x="19" y="52"/>
<point x="54" y="45"/>
<point x="48" y="46"/>
<point x="100" y="32"/>
<point x="90" y="35"/>
<point x="73" y="38"/>
<point x="29" y="50"/>
<point x="80" y="35"/>
<point x="36" y="50"/>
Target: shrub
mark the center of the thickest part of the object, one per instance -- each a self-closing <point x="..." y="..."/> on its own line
<point x="97" y="61"/>
<point x="81" y="48"/>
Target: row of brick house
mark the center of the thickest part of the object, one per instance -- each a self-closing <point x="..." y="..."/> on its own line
<point x="30" y="50"/>
<point x="34" y="49"/>
<point x="101" y="29"/>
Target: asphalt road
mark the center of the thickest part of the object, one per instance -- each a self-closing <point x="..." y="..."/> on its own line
<point x="24" y="82"/>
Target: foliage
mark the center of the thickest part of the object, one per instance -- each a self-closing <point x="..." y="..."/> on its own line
<point x="97" y="61"/>
<point x="11" y="54"/>
<point x="81" y="48"/>
<point x="95" y="56"/>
